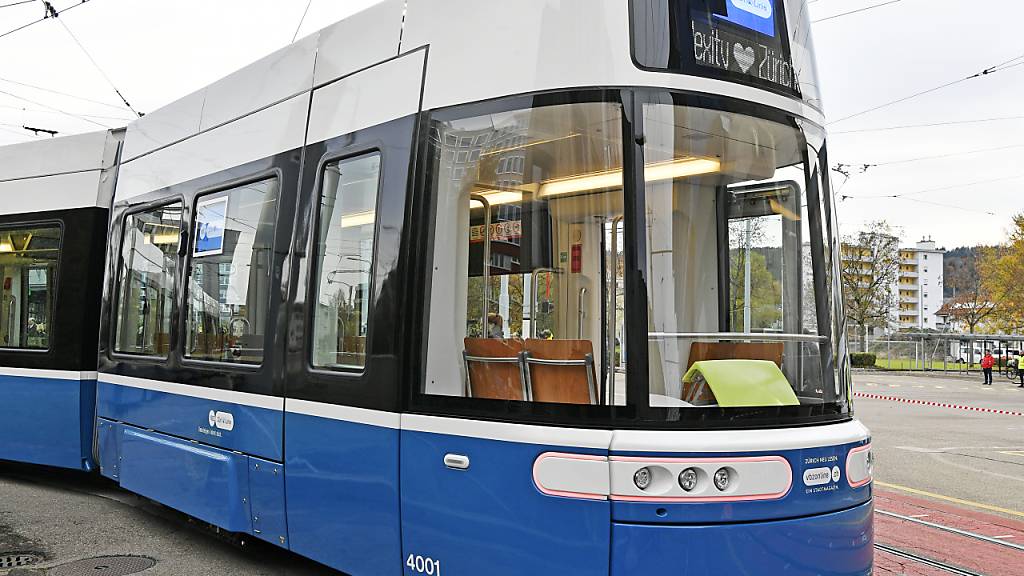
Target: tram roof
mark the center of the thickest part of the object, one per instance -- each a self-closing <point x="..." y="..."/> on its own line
<point x="57" y="173"/>
<point x="477" y="50"/>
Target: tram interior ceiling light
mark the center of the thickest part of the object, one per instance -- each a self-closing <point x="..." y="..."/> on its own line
<point x="611" y="179"/>
<point x="358" y="219"/>
<point x="6" y="245"/>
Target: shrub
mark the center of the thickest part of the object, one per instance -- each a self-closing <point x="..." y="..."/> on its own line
<point x="862" y="360"/>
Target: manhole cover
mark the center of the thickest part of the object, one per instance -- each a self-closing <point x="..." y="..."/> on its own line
<point x="18" y="559"/>
<point x="104" y="566"/>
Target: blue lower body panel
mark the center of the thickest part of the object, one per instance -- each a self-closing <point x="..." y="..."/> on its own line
<point x="47" y="421"/>
<point x="491" y="518"/>
<point x="254" y="430"/>
<point x="836" y="544"/>
<point x="202" y="481"/>
<point x="343" y="494"/>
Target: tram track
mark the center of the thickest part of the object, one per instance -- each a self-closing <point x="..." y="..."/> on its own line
<point x="926" y="561"/>
<point x="952" y="530"/>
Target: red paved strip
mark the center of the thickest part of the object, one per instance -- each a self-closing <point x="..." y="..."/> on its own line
<point x="886" y="564"/>
<point x="936" y="404"/>
<point x="948" y="514"/>
<point x="975" y="555"/>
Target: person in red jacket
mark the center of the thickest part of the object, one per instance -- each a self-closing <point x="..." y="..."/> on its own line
<point x="986" y="364"/>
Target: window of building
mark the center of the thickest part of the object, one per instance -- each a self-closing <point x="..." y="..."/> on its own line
<point x="146" y="276"/>
<point x="925" y="256"/>
<point x="28" y="267"/>
<point x="229" y="284"/>
<point x="348" y="206"/>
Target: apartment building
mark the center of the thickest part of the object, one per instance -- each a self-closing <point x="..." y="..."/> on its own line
<point x="920" y="286"/>
<point x="918" y="290"/>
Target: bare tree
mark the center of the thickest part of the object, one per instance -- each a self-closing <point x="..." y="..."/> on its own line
<point x="871" y="268"/>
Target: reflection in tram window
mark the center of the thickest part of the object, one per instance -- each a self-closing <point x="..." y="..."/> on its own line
<point x="28" y="266"/>
<point x="149" y="263"/>
<point x="345" y="256"/>
<point x="229" y="284"/>
<point x="528" y="202"/>
<point x="735" y="258"/>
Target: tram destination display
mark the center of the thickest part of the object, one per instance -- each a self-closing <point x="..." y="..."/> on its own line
<point x="744" y="41"/>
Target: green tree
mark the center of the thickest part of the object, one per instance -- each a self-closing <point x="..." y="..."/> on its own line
<point x="1002" y="278"/>
<point x="765" y="291"/>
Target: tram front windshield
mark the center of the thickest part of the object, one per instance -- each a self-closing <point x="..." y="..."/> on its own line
<point x="530" y="268"/>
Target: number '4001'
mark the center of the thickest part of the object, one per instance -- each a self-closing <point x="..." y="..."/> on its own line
<point x="421" y="565"/>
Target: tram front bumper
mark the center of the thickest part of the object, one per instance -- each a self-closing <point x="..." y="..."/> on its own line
<point x="834" y="544"/>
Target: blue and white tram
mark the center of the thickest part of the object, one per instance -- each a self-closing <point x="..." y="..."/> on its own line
<point x="456" y="287"/>
<point x="54" y="204"/>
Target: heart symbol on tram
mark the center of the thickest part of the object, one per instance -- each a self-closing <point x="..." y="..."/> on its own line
<point x="744" y="56"/>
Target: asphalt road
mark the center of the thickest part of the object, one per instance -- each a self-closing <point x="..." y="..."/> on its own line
<point x="67" y="516"/>
<point x="949" y="452"/>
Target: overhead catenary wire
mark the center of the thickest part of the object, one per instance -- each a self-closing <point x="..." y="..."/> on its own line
<point x="44" y="18"/>
<point x="938" y="189"/>
<point x="93" y="60"/>
<point x="59" y="93"/>
<point x="301" y="20"/>
<point x="935" y="156"/>
<point x="864" y="9"/>
<point x="1011" y="63"/>
<point x="16" y="3"/>
<point x="925" y="125"/>
<point x="44" y="111"/>
<point x="55" y="109"/>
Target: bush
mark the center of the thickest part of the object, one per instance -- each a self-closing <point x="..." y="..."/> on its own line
<point x="863" y="360"/>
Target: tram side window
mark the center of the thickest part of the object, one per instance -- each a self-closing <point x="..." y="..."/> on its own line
<point x="348" y="207"/>
<point x="28" y="267"/>
<point x="149" y="264"/>
<point x="528" y="255"/>
<point x="229" y="279"/>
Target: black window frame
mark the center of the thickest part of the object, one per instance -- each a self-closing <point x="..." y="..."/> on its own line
<point x="197" y="195"/>
<point x="633" y="415"/>
<point x="313" y="270"/>
<point x="115" y="303"/>
<point x="15" y="225"/>
<point x="418" y="402"/>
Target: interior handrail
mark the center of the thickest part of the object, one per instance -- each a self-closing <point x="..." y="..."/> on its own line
<point x="763" y="336"/>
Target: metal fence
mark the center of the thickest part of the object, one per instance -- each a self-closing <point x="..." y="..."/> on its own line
<point x="939" y="352"/>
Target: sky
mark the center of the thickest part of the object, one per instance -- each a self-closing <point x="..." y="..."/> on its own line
<point x="962" y="182"/>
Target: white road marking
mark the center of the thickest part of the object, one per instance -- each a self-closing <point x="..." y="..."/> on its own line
<point x="920" y="515"/>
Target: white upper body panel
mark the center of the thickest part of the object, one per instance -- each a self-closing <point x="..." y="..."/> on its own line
<point x="483" y="49"/>
<point x="261" y="109"/>
<point x="58" y="173"/>
<point x="478" y="50"/>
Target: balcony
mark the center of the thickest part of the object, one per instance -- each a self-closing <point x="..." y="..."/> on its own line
<point x="909" y="274"/>
<point x="909" y="300"/>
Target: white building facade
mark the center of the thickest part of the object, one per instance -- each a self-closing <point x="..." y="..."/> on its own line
<point x="920" y="286"/>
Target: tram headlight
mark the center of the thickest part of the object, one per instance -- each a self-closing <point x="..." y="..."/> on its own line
<point x="642" y="478"/>
<point x="688" y="479"/>
<point x="722" y="479"/>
